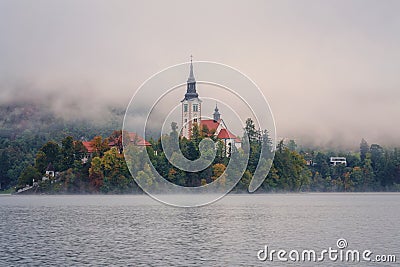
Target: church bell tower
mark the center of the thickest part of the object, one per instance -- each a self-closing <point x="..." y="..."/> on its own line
<point x="191" y="106"/>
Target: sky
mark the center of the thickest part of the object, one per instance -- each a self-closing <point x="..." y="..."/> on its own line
<point x="329" y="69"/>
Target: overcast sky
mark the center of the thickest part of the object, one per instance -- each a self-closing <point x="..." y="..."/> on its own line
<point x="329" y="69"/>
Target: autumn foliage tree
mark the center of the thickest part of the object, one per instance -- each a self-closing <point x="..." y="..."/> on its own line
<point x="96" y="174"/>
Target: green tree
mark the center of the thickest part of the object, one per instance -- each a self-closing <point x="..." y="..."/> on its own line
<point x="369" y="175"/>
<point x="146" y="177"/>
<point x="292" y="146"/>
<point x="67" y="153"/>
<point x="79" y="150"/>
<point x="271" y="182"/>
<point x="205" y="132"/>
<point x="29" y="174"/>
<point x="49" y="153"/>
<point x="357" y="177"/>
<point x="196" y="137"/>
<point x="291" y="169"/>
<point x="322" y="165"/>
<point x="96" y="175"/>
<point x="115" y="170"/>
<point x="364" y="149"/>
<point x="378" y="163"/>
<point x="5" y="166"/>
<point x="191" y="150"/>
<point x="251" y="131"/>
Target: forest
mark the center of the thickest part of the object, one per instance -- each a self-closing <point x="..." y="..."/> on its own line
<point x="25" y="155"/>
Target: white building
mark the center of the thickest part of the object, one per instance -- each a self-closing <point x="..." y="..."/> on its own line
<point x="338" y="160"/>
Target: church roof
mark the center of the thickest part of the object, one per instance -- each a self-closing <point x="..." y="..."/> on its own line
<point x="88" y="145"/>
<point x="138" y="140"/>
<point x="133" y="137"/>
<point x="225" y="134"/>
<point x="191" y="85"/>
<point x="210" y="124"/>
<point x="191" y="78"/>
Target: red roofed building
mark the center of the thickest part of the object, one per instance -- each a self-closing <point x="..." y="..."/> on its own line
<point x="211" y="125"/>
<point x="114" y="142"/>
<point x="88" y="145"/>
<point x="138" y="140"/>
<point x="229" y="140"/>
<point x="225" y="134"/>
<point x="217" y="127"/>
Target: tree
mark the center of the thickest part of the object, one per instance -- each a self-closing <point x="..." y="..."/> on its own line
<point x="251" y="131"/>
<point x="364" y="149"/>
<point x="146" y="177"/>
<point x="291" y="169"/>
<point x="267" y="148"/>
<point x="378" y="161"/>
<point x="96" y="174"/>
<point x="357" y="177"/>
<point x="348" y="183"/>
<point x="49" y="153"/>
<point x="192" y="151"/>
<point x="29" y="174"/>
<point x="100" y="146"/>
<point x="196" y="138"/>
<point x="217" y="170"/>
<point x="321" y="164"/>
<point x="369" y="175"/>
<point x="79" y="150"/>
<point x="318" y="182"/>
<point x="271" y="182"/>
<point x="69" y="178"/>
<point x="115" y="170"/>
<point x="205" y="132"/>
<point x="5" y="165"/>
<point x="292" y="145"/>
<point x="220" y="150"/>
<point x="67" y="153"/>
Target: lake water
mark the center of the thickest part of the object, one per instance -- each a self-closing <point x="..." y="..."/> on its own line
<point x="138" y="231"/>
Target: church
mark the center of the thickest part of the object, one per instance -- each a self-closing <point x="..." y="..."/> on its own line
<point x="191" y="115"/>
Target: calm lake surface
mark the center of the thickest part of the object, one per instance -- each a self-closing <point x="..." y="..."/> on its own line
<point x="138" y="231"/>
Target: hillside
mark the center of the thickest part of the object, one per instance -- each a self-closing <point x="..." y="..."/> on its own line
<point x="25" y="127"/>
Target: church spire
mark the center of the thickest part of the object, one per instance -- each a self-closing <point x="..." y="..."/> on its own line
<point x="191" y="78"/>
<point x="191" y="84"/>
<point x="216" y="114"/>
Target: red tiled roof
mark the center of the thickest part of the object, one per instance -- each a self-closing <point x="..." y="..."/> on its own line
<point x="225" y="134"/>
<point x="133" y="137"/>
<point x="88" y="145"/>
<point x="237" y="140"/>
<point x="138" y="140"/>
<point x="113" y="142"/>
<point x="211" y="124"/>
